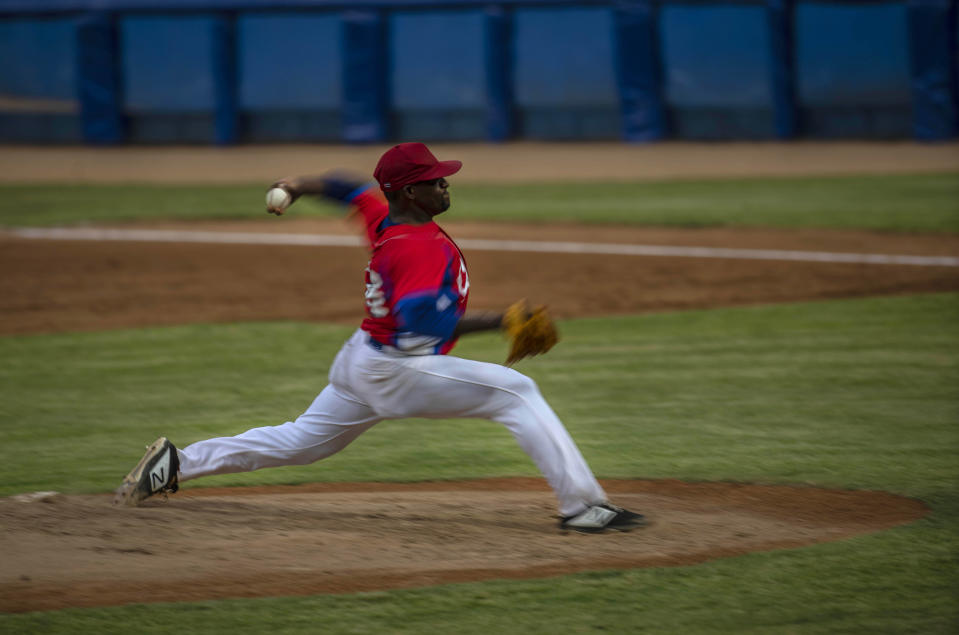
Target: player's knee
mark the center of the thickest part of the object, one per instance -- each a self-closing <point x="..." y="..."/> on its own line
<point x="521" y="384"/>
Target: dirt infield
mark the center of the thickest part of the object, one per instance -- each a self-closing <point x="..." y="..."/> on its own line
<point x="340" y="538"/>
<point x="334" y="538"/>
<point x="51" y="286"/>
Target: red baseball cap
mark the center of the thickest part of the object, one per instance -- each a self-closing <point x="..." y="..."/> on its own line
<point x="409" y="163"/>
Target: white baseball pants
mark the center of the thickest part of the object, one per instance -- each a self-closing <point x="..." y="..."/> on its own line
<point x="368" y="386"/>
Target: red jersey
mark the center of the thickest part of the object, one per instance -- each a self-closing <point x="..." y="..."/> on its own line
<point x="417" y="285"/>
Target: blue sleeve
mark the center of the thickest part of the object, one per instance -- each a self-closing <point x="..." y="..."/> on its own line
<point x="429" y="314"/>
<point x="342" y="189"/>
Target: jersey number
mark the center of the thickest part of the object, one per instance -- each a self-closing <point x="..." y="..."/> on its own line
<point x="463" y="280"/>
<point x="375" y="299"/>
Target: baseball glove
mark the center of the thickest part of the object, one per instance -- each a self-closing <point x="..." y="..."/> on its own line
<point x="530" y="332"/>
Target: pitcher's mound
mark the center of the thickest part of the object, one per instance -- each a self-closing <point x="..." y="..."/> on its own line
<point x="69" y="551"/>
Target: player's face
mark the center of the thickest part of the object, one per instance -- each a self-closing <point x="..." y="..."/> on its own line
<point x="433" y="196"/>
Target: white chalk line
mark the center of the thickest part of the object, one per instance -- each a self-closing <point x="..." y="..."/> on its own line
<point x="612" y="249"/>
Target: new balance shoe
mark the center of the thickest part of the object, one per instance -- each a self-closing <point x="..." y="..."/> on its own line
<point x="599" y="518"/>
<point x="155" y="473"/>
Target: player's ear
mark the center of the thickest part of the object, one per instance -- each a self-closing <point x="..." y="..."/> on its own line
<point x="409" y="192"/>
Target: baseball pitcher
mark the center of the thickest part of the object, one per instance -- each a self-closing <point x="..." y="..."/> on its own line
<point x="396" y="365"/>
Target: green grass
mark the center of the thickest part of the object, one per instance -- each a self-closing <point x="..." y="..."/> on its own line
<point x="854" y="394"/>
<point x="43" y="204"/>
<point x="913" y="203"/>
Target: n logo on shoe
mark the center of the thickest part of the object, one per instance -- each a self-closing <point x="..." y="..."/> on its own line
<point x="160" y="473"/>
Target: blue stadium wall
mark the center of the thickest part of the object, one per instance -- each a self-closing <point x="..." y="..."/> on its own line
<point x="219" y="71"/>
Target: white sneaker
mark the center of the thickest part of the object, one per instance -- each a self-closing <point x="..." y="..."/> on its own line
<point x="599" y="518"/>
<point x="156" y="472"/>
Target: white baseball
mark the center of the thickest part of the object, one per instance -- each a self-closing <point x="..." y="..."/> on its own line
<point x="278" y="198"/>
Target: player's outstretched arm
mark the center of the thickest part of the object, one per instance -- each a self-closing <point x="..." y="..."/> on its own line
<point x="478" y="321"/>
<point x="531" y="331"/>
<point x="342" y="187"/>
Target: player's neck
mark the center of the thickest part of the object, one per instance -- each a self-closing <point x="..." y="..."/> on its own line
<point x="409" y="216"/>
